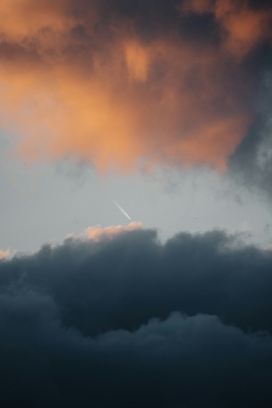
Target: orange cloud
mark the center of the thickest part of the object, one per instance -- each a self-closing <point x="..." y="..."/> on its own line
<point x="137" y="59"/>
<point x="4" y="254"/>
<point x="75" y="87"/>
<point x="97" y="233"/>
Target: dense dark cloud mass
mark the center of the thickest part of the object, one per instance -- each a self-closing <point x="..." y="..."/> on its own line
<point x="127" y="321"/>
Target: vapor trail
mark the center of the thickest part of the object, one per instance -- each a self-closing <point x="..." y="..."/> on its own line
<point x="121" y="209"/>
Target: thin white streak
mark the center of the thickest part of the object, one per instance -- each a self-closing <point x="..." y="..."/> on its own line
<point x="121" y="209"/>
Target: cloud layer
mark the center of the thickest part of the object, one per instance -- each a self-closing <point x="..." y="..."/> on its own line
<point x="126" y="321"/>
<point x="131" y="85"/>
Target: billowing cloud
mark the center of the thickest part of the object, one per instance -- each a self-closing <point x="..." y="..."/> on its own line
<point x="244" y="27"/>
<point x="128" y="321"/>
<point x="129" y="86"/>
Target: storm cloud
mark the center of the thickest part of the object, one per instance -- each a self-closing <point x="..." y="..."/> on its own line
<point x="125" y="320"/>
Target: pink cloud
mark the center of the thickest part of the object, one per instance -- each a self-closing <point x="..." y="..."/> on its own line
<point x="97" y="233"/>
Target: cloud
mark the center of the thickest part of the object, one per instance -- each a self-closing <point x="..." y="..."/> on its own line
<point x="251" y="163"/>
<point x="4" y="254"/>
<point x="129" y="86"/>
<point x="97" y="233"/>
<point x="244" y="27"/>
<point x="128" y="321"/>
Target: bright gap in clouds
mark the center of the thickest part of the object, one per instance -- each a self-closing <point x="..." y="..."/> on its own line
<point x="44" y="204"/>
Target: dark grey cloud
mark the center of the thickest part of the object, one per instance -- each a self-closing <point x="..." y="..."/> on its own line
<point x="130" y="322"/>
<point x="251" y="163"/>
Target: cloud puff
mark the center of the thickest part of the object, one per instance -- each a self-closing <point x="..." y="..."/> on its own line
<point x="97" y="233"/>
<point x="4" y="254"/>
<point x="127" y="321"/>
<point x="129" y="86"/>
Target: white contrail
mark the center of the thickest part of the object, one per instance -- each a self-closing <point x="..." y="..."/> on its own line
<point x="121" y="209"/>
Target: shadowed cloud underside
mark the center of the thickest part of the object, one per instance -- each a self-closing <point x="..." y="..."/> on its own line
<point x="126" y="321"/>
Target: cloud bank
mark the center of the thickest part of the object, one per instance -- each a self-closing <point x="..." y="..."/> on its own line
<point x="129" y="85"/>
<point x="126" y="321"/>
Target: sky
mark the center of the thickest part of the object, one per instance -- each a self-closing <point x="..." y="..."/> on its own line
<point x="160" y="108"/>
